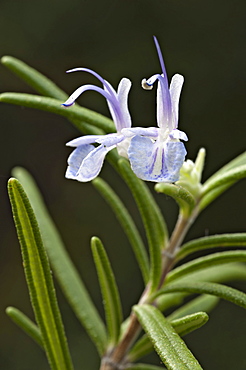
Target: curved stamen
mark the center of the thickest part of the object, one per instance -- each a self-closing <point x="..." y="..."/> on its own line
<point x="88" y="70"/>
<point x="80" y="90"/>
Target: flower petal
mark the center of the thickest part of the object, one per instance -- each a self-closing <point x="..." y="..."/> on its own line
<point x="110" y="139"/>
<point x="143" y="131"/>
<point x="82" y="140"/>
<point x="75" y="159"/>
<point x="122" y="93"/>
<point x="175" y="91"/>
<point x="92" y="164"/>
<point x="158" y="162"/>
<point x="85" y="167"/>
<point x="177" y="134"/>
<point x="118" y="106"/>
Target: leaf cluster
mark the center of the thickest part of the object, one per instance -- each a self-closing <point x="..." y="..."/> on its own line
<point x="166" y="286"/>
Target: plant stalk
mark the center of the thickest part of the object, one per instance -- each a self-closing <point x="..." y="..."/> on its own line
<point x="117" y="359"/>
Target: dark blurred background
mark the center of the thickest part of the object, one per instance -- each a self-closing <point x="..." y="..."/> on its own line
<point x="204" y="41"/>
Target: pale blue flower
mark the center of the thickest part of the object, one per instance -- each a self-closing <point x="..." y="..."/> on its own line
<point x="156" y="154"/>
<point x="86" y="161"/>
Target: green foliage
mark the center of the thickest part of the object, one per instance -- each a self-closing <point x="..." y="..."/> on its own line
<point x="84" y="118"/>
<point x="127" y="224"/>
<point x="222" y="241"/>
<point x="66" y="273"/>
<point x="223" y="179"/>
<point x="166" y="286"/>
<point x="169" y="346"/>
<point x="182" y="196"/>
<point x="39" y="279"/>
<point x="199" y="263"/>
<point x="222" y="291"/>
<point x="110" y="294"/>
<point x="182" y="326"/>
<point x="27" y="325"/>
<point x="154" y="224"/>
<point x="33" y="78"/>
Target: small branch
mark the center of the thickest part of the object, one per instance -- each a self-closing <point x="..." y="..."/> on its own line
<point x="116" y="360"/>
<point x="181" y="228"/>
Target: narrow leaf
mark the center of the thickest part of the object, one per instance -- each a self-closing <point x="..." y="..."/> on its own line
<point x="204" y="262"/>
<point x="182" y="196"/>
<point x="110" y="294"/>
<point x="127" y="224"/>
<point x="74" y="113"/>
<point x="143" y="367"/>
<point x="27" y="325"/>
<point x="182" y="326"/>
<point x="222" y="240"/>
<point x="170" y="301"/>
<point x="189" y="323"/>
<point x="66" y="273"/>
<point x="213" y="194"/>
<point x="39" y="279"/>
<point x="154" y="224"/>
<point x="33" y="78"/>
<point x="234" y="163"/>
<point x="230" y="176"/>
<point x="217" y="273"/>
<point x="169" y="346"/>
<point x="204" y="303"/>
<point x="219" y="290"/>
<point x="215" y="179"/>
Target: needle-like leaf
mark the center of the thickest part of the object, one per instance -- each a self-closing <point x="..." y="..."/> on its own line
<point x="222" y="241"/>
<point x="39" y="279"/>
<point x="66" y="273"/>
<point x="167" y="343"/>
<point x="153" y="221"/>
<point x="27" y="325"/>
<point x="127" y="224"/>
<point x="110" y="294"/>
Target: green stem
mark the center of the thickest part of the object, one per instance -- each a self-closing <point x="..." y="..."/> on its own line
<point x="115" y="360"/>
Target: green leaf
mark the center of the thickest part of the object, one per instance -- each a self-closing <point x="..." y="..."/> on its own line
<point x="217" y="273"/>
<point x="205" y="303"/>
<point x="222" y="240"/>
<point x="143" y="367"/>
<point x="234" y="163"/>
<point x="39" y="279"/>
<point x="182" y="196"/>
<point x="127" y="224"/>
<point x="163" y="303"/>
<point x="169" y="346"/>
<point x="204" y="262"/>
<point x="213" y="194"/>
<point x="27" y="325"/>
<point x="65" y="272"/>
<point x="182" y="326"/>
<point x="219" y="290"/>
<point x="230" y="176"/>
<point x="33" y="78"/>
<point x="186" y="324"/>
<point x="222" y="175"/>
<point x="82" y="116"/>
<point x="153" y="221"/>
<point x="110" y="294"/>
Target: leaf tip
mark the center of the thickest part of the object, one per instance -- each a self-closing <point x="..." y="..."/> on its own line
<point x="9" y="310"/>
<point x="4" y="59"/>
